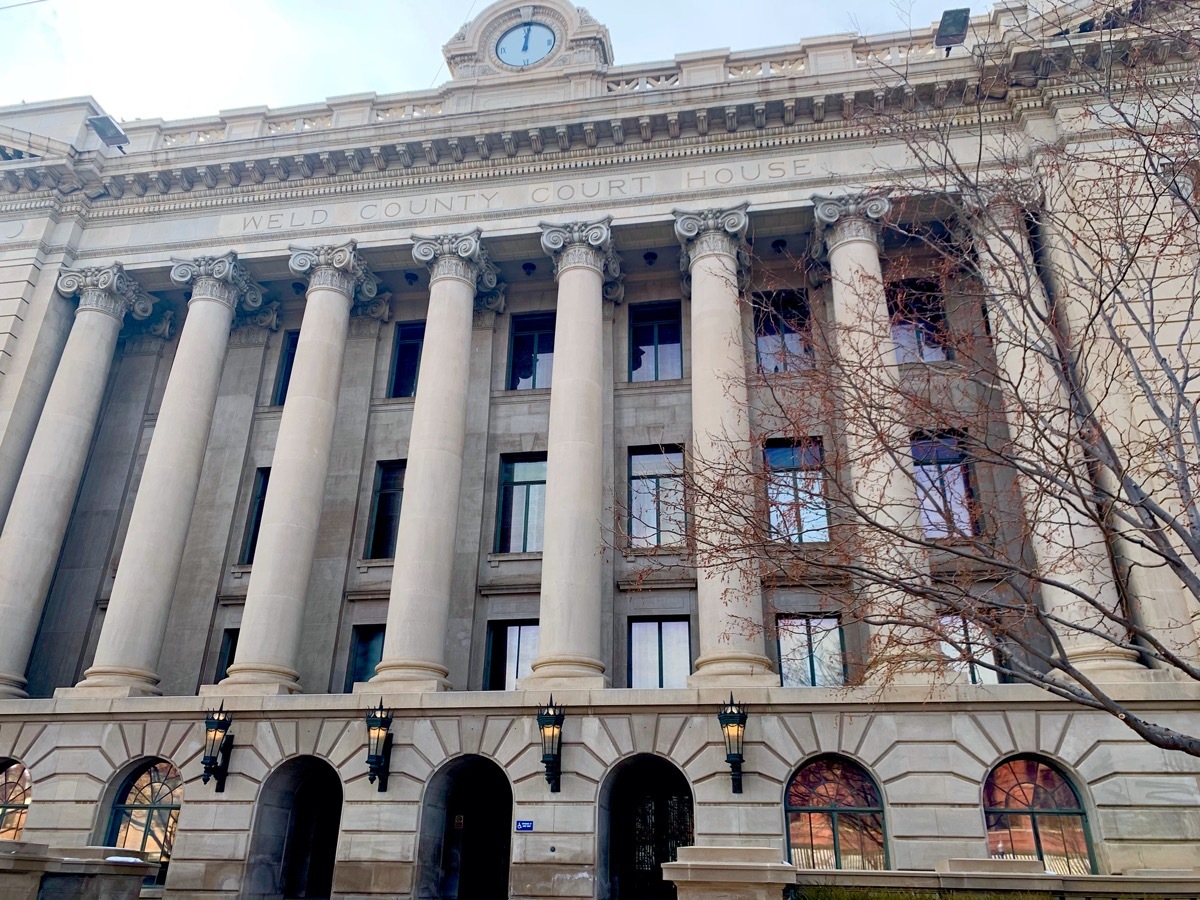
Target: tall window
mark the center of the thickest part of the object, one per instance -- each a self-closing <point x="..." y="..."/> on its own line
<point x="406" y="359"/>
<point x="943" y="486"/>
<point x="796" y="492"/>
<point x="385" y="509"/>
<point x="835" y="817"/>
<point x="227" y="653"/>
<point x="656" y="510"/>
<point x="660" y="653"/>
<point x="512" y="648"/>
<point x="1033" y="812"/>
<point x="254" y="517"/>
<point x="287" y="358"/>
<point x="15" y="788"/>
<point x="967" y="643"/>
<point x="531" y="353"/>
<point x="146" y="812"/>
<point x="811" y="652"/>
<point x="522" y="503"/>
<point x="783" y="330"/>
<point x="655" y="343"/>
<point x="366" y="650"/>
<point x="918" y="321"/>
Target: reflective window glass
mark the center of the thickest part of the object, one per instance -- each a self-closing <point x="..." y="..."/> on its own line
<point x="943" y="482"/>
<point x="966" y="645"/>
<point x="656" y="510"/>
<point x="522" y="503"/>
<point x="835" y="817"/>
<point x="918" y="321"/>
<point x="1033" y="812"/>
<point x="146" y="813"/>
<point x="655" y="342"/>
<point x="15" y="791"/>
<point x="258" y="497"/>
<point x="531" y="354"/>
<point x="283" y="375"/>
<point x="512" y="648"/>
<point x="406" y="359"/>
<point x="796" y="492"/>
<point x="782" y="329"/>
<point x="386" y="499"/>
<point x="810" y="651"/>
<point x="660" y="653"/>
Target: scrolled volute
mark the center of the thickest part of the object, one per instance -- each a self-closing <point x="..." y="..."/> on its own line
<point x="343" y="259"/>
<point x="733" y="222"/>
<point x="556" y="237"/>
<point x="829" y="210"/>
<point x="225" y="269"/>
<point x="106" y="287"/>
<point x="467" y="246"/>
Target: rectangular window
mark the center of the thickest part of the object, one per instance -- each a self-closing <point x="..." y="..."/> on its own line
<point x="366" y="650"/>
<point x="943" y="479"/>
<point x="918" y="321"/>
<point x="655" y="342"/>
<point x="783" y="332"/>
<point x="796" y="492"/>
<point x="660" y="653"/>
<point x="385" y="509"/>
<point x="287" y="358"/>
<point x="406" y="359"/>
<point x="522" y="503"/>
<point x="227" y="654"/>
<point x="811" y="651"/>
<point x="656" y="510"/>
<point x="512" y="648"/>
<point x="969" y="644"/>
<point x="531" y="352"/>
<point x="254" y="518"/>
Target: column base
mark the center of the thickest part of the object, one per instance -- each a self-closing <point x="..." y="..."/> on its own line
<point x="247" y="689"/>
<point x="12" y="687"/>
<point x="409" y="676"/>
<point x="114" y="681"/>
<point x="257" y="679"/>
<point x="565" y="671"/>
<point x="83" y="689"/>
<point x="733" y="669"/>
<point x="1109" y="665"/>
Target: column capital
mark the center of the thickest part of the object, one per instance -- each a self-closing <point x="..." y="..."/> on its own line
<point x="107" y="289"/>
<point x="338" y="267"/>
<point x="587" y="244"/>
<point x="990" y="207"/>
<point x="462" y="256"/>
<point x="220" y="278"/>
<point x="850" y="217"/>
<point x="712" y="230"/>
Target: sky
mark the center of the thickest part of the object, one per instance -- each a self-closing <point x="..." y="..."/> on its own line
<point x="176" y="59"/>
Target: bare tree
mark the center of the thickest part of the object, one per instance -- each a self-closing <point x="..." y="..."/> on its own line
<point x="984" y="452"/>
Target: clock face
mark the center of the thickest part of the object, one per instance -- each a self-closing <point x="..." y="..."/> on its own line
<point x="525" y="44"/>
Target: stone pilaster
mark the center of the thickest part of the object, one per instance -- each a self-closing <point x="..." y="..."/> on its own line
<point x="41" y="506"/>
<point x="135" y="624"/>
<point x="275" y="598"/>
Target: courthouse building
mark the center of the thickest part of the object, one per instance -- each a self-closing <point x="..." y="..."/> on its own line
<point x="386" y="399"/>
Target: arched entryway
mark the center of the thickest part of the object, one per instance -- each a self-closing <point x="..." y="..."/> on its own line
<point x="466" y="832"/>
<point x="645" y="816"/>
<point x="294" y="842"/>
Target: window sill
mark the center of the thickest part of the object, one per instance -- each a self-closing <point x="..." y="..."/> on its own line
<point x="367" y="564"/>
<point x="518" y="395"/>
<point x="384" y="402"/>
<point x="240" y="570"/>
<point x="662" y="386"/>
<point x="494" y="559"/>
<point x="660" y="550"/>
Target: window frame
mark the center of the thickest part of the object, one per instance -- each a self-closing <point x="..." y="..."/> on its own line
<point x="227" y="652"/>
<point x="513" y="333"/>
<point x="381" y="467"/>
<point x="497" y="636"/>
<point x="658" y="620"/>
<point x="357" y="642"/>
<point x="941" y="504"/>
<point x="14" y="812"/>
<point x="972" y="636"/>
<point x="663" y="451"/>
<point x="928" y="318"/>
<point x="808" y="618"/>
<point x="772" y="307"/>
<point x="507" y="460"/>
<point x="811" y="445"/>
<point x="647" y="309"/>
<point x="121" y="805"/>
<point x="834" y="811"/>
<point x="258" y="499"/>
<point x="289" y="343"/>
<point x="399" y="341"/>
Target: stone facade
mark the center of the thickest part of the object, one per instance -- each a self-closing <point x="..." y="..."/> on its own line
<point x="134" y="421"/>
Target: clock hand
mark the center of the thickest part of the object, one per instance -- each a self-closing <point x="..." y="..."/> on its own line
<point x="525" y="46"/>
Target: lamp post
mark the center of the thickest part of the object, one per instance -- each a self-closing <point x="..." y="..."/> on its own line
<point x="379" y="745"/>
<point x="732" y="718"/>
<point x="218" y="742"/>
<point x="550" y="721"/>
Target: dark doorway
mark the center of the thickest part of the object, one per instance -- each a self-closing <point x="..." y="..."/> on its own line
<point x="294" y="844"/>
<point x="466" y="833"/>
<point x="645" y="817"/>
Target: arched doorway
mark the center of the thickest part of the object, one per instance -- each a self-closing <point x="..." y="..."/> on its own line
<point x="645" y="817"/>
<point x="466" y="832"/>
<point x="294" y="842"/>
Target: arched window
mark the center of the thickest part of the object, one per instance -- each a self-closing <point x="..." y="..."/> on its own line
<point x="835" y="817"/>
<point x="1033" y="812"/>
<point x="145" y="813"/>
<point x="14" y="799"/>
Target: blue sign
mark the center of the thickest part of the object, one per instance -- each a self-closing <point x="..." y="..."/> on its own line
<point x="524" y="824"/>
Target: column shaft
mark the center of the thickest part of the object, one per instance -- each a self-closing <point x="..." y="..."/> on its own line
<point x="414" y="654"/>
<point x="41" y="506"/>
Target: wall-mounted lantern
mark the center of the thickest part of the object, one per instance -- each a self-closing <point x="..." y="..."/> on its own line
<point x="550" y="721"/>
<point x="733" y="726"/>
<point x="379" y="745"/>
<point x="218" y="742"/>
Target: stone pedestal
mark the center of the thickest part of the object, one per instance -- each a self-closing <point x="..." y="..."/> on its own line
<point x="729" y="873"/>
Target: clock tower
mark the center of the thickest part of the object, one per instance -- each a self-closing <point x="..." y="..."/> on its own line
<point x="551" y="37"/>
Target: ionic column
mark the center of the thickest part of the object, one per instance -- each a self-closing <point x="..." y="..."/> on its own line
<point x="1067" y="546"/>
<point x="272" y="618"/>
<point x="41" y="506"/>
<point x="135" y="624"/>
<point x="728" y="595"/>
<point x="461" y="278"/>
<point x="882" y="486"/>
<point x="569" y="629"/>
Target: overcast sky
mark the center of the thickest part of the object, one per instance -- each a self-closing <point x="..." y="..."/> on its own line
<point x="177" y="59"/>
